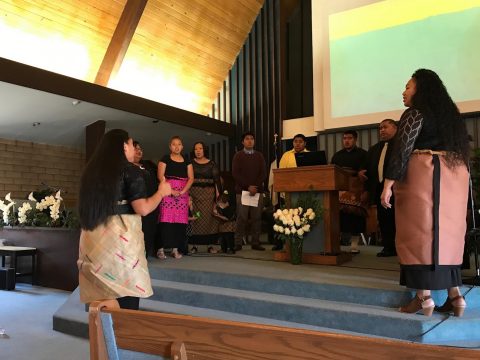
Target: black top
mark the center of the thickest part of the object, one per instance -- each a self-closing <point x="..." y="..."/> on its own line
<point x="175" y="168"/>
<point x="414" y="132"/>
<point x="354" y="159"/>
<point x="132" y="187"/>
<point x="206" y="174"/>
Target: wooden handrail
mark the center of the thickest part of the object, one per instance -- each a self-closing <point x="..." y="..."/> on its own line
<point x="182" y="336"/>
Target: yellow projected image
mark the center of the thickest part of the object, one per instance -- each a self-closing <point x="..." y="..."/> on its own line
<point x="390" y="13"/>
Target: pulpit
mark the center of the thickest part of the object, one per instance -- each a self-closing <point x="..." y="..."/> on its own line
<point x="327" y="181"/>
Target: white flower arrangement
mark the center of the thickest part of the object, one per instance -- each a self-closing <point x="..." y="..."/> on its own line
<point x="293" y="224"/>
<point x="45" y="212"/>
<point x="5" y="208"/>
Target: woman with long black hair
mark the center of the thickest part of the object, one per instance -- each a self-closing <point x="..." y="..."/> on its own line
<point x="429" y="176"/>
<point x="112" y="262"/>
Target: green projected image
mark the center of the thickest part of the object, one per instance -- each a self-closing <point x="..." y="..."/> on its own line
<point x="369" y="69"/>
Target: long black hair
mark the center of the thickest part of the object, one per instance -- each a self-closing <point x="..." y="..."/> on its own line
<point x="99" y="185"/>
<point x="434" y="102"/>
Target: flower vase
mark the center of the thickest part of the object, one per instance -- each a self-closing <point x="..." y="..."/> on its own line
<point x="296" y="251"/>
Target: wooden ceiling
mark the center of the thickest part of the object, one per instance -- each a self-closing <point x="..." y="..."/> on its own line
<point x="180" y="47"/>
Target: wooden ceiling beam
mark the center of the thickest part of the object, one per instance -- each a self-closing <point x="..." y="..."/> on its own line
<point x="120" y="40"/>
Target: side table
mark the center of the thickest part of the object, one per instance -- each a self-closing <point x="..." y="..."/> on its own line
<point x="15" y="252"/>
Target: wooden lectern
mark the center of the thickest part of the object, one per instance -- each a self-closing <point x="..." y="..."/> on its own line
<point x="328" y="180"/>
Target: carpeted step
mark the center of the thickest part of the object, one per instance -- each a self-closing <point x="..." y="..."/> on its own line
<point x="366" y="319"/>
<point x="367" y="292"/>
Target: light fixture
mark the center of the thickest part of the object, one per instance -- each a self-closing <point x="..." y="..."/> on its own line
<point x="75" y="102"/>
<point x="36" y="123"/>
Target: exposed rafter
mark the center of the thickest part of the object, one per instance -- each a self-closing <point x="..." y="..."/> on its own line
<point x="120" y="40"/>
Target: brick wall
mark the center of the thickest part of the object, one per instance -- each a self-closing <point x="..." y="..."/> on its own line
<point x="24" y="166"/>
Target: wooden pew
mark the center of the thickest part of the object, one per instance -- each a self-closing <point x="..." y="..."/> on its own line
<point x="183" y="337"/>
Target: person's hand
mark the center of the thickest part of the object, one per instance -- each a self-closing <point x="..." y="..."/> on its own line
<point x="252" y="189"/>
<point x="164" y="188"/>
<point x="387" y="193"/>
<point x="175" y="193"/>
<point x="362" y="175"/>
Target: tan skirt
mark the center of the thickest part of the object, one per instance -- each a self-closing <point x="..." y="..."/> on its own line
<point x="112" y="261"/>
<point x="430" y="211"/>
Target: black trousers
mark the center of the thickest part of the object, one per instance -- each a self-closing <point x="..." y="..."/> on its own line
<point x="129" y="302"/>
<point x="386" y="221"/>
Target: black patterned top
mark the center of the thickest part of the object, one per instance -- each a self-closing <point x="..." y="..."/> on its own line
<point x="414" y="132"/>
<point x="132" y="187"/>
<point x="206" y="174"/>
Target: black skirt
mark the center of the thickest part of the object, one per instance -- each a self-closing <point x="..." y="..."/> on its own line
<point x="173" y="235"/>
<point x="352" y="223"/>
<point x="426" y="277"/>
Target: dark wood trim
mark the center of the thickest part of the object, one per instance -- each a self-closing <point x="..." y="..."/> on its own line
<point x="120" y="41"/>
<point x="225" y="102"/>
<point x="39" y="79"/>
<point x="225" y="155"/>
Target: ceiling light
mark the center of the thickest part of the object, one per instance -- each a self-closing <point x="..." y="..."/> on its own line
<point x="76" y="102"/>
<point x="36" y="123"/>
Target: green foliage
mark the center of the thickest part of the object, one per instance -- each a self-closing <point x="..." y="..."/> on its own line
<point x="307" y="199"/>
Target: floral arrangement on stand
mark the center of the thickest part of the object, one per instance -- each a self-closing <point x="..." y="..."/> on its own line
<point x="44" y="208"/>
<point x="291" y="225"/>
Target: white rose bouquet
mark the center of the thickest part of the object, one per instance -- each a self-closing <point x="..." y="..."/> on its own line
<point x="293" y="224"/>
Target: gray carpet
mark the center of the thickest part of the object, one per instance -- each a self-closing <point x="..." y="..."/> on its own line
<point x="26" y="315"/>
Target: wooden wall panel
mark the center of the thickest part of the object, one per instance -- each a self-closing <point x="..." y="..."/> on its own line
<point x="88" y="24"/>
<point x="192" y="44"/>
<point x="196" y="41"/>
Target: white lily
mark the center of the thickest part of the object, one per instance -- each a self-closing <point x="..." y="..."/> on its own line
<point x="31" y="198"/>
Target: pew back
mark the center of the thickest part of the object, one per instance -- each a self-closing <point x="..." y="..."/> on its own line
<point x="184" y="337"/>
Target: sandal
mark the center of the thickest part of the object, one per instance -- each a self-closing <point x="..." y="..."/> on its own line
<point x="425" y="304"/>
<point x="161" y="254"/>
<point x="211" y="250"/>
<point x="176" y="255"/>
<point x="456" y="305"/>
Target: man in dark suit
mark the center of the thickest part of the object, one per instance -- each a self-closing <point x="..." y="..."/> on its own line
<point x="352" y="213"/>
<point x="377" y="159"/>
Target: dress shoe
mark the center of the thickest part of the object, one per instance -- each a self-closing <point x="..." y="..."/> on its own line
<point x="386" y="253"/>
<point x="457" y="305"/>
<point x="258" y="247"/>
<point x="277" y="248"/>
<point x="425" y="304"/>
<point x="230" y="251"/>
<point x="237" y="247"/>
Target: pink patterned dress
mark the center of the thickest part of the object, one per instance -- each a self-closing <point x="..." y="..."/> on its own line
<point x="173" y="211"/>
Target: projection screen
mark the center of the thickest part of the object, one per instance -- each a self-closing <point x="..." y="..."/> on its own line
<point x="365" y="52"/>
